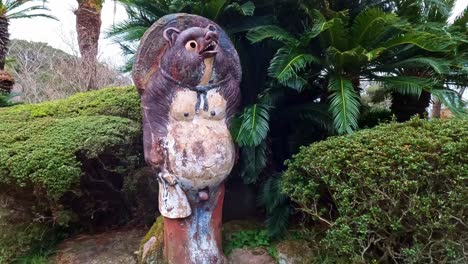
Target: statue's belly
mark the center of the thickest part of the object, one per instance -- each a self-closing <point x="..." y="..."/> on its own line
<point x="199" y="154"/>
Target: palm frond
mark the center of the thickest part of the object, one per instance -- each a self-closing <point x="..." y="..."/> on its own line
<point x="286" y="65"/>
<point x="270" y="31"/>
<point x="254" y="126"/>
<point x="13" y="13"/>
<point x="344" y="104"/>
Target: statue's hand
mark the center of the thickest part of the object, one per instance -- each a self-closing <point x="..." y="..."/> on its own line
<point x="168" y="178"/>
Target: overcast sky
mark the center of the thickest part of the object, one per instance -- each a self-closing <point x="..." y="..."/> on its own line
<point x="61" y="34"/>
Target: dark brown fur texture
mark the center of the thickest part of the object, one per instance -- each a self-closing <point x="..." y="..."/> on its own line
<point x="164" y="66"/>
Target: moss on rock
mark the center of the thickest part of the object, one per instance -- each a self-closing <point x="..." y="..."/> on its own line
<point x="152" y="246"/>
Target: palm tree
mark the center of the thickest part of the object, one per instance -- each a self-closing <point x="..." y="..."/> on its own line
<point x="14" y="9"/>
<point x="375" y="46"/>
<point x="88" y="28"/>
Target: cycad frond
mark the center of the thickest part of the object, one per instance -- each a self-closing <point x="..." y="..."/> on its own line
<point x="254" y="126"/>
<point x="209" y="9"/>
<point x="260" y="33"/>
<point x="349" y="60"/>
<point x="287" y="63"/>
<point x="423" y="40"/>
<point x="369" y="25"/>
<point x="452" y="100"/>
<point x="253" y="161"/>
<point x="337" y="34"/>
<point x="406" y="85"/>
<point x="344" y="104"/>
<point x="246" y="9"/>
<point x="276" y="204"/>
<point x="316" y="114"/>
<point x="320" y="24"/>
<point x="440" y="66"/>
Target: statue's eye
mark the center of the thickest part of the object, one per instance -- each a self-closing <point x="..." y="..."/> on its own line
<point x="191" y="45"/>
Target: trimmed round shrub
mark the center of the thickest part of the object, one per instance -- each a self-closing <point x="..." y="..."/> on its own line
<point x="395" y="193"/>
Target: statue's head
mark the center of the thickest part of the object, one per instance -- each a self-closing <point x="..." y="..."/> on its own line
<point x="187" y="51"/>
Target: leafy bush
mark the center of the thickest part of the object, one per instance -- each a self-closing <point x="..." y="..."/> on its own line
<point x="393" y="193"/>
<point x="64" y="163"/>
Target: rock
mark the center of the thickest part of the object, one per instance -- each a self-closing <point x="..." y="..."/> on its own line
<point x="295" y="252"/>
<point x="151" y="249"/>
<point x="113" y="247"/>
<point x="250" y="256"/>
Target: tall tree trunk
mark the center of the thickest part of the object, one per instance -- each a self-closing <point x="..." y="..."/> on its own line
<point x="88" y="28"/>
<point x="6" y="80"/>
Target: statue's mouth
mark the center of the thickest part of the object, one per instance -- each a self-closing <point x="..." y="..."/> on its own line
<point x="209" y="50"/>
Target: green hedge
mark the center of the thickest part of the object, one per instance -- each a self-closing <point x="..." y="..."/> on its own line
<point x="397" y="192"/>
<point x="65" y="162"/>
<point x="117" y="101"/>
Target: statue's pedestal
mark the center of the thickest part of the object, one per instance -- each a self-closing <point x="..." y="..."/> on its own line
<point x="197" y="238"/>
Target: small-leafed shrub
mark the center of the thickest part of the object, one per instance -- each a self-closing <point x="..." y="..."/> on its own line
<point x="393" y="194"/>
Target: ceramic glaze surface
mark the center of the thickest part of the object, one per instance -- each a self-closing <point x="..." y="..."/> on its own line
<point x="200" y="149"/>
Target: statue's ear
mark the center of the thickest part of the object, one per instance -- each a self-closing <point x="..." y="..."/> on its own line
<point x="171" y="34"/>
<point x="211" y="27"/>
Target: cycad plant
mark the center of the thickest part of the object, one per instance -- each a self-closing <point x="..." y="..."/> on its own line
<point x="15" y="9"/>
<point x="375" y="46"/>
<point x="433" y="15"/>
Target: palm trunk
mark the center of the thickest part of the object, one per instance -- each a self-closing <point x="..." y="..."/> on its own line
<point x="4" y="40"/>
<point x="6" y="81"/>
<point x="88" y="28"/>
<point x="436" y="108"/>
